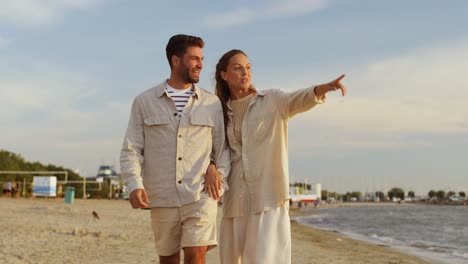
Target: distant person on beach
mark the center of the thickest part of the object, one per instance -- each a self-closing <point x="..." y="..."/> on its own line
<point x="60" y="191"/>
<point x="13" y="190"/>
<point x="31" y="189"/>
<point x="174" y="158"/>
<point x="16" y="190"/>
<point x="7" y="189"/>
<point x="256" y="227"/>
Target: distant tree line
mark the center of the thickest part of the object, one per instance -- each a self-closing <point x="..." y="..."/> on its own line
<point x="394" y="193"/>
<point x="441" y="195"/>
<point x="14" y="162"/>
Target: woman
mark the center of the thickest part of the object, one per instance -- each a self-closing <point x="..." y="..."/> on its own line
<point x="255" y="226"/>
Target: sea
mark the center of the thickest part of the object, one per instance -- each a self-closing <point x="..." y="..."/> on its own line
<point x="437" y="233"/>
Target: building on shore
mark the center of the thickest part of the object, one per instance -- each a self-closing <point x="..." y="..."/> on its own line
<point x="304" y="196"/>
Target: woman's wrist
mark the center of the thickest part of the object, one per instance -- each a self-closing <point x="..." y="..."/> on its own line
<point x="318" y="91"/>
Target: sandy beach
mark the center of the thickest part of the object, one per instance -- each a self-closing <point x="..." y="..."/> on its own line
<point x="52" y="231"/>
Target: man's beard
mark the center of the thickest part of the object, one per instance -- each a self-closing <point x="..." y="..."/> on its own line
<point x="186" y="76"/>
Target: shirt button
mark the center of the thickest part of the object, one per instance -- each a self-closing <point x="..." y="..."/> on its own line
<point x="180" y="136"/>
<point x="180" y="158"/>
<point x="179" y="182"/>
<point x="175" y="114"/>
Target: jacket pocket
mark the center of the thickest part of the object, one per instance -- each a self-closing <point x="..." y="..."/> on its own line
<point x="199" y="132"/>
<point x="162" y="119"/>
<point x="199" y="120"/>
<point x="158" y="131"/>
<point x="262" y="126"/>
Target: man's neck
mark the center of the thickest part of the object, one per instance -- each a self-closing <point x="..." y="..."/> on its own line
<point x="178" y="83"/>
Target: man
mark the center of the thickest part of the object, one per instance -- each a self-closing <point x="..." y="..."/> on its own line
<point x="176" y="131"/>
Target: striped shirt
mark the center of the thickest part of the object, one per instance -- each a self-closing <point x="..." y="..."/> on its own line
<point x="180" y="97"/>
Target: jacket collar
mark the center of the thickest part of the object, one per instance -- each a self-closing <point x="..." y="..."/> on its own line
<point x="256" y="94"/>
<point x="161" y="90"/>
<point x="260" y="93"/>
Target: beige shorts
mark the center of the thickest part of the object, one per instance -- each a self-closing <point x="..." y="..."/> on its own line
<point x="191" y="225"/>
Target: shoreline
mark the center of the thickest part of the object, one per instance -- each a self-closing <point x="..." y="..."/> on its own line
<point x="335" y="248"/>
<point x="374" y="252"/>
<point x="52" y="231"/>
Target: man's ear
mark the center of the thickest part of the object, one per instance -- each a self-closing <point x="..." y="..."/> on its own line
<point x="175" y="60"/>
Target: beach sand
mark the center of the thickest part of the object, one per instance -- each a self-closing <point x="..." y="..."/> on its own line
<point x="52" y="231"/>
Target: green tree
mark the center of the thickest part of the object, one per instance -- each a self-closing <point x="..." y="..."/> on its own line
<point x="347" y="197"/>
<point x="396" y="192"/>
<point x="462" y="194"/>
<point x="335" y="195"/>
<point x="450" y="193"/>
<point x="324" y="195"/>
<point x="431" y="193"/>
<point x="10" y="162"/>
<point x="14" y="162"/>
<point x="380" y="195"/>
<point x="440" y="194"/>
<point x="411" y="194"/>
<point x="356" y="194"/>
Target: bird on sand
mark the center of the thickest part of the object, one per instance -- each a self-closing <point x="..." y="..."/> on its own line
<point x="95" y="215"/>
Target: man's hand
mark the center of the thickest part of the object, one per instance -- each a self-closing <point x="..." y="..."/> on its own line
<point x="322" y="89"/>
<point x="212" y="182"/>
<point x="139" y="199"/>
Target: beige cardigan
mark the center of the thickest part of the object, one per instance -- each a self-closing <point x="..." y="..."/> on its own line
<point x="263" y="157"/>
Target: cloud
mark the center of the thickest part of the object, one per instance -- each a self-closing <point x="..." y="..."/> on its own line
<point x="423" y="91"/>
<point x="57" y="115"/>
<point x="390" y="101"/>
<point x="294" y="7"/>
<point x="278" y="8"/>
<point x="420" y="91"/>
<point x="41" y="86"/>
<point x="232" y="18"/>
<point x="45" y="12"/>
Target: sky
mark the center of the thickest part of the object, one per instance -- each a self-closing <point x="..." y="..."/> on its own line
<point x="70" y="69"/>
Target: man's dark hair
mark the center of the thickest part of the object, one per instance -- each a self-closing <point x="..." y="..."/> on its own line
<point x="178" y="44"/>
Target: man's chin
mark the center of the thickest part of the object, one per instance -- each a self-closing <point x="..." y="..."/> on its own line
<point x="193" y="80"/>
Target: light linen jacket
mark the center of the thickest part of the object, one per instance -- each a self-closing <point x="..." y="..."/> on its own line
<point x="262" y="161"/>
<point x="167" y="155"/>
